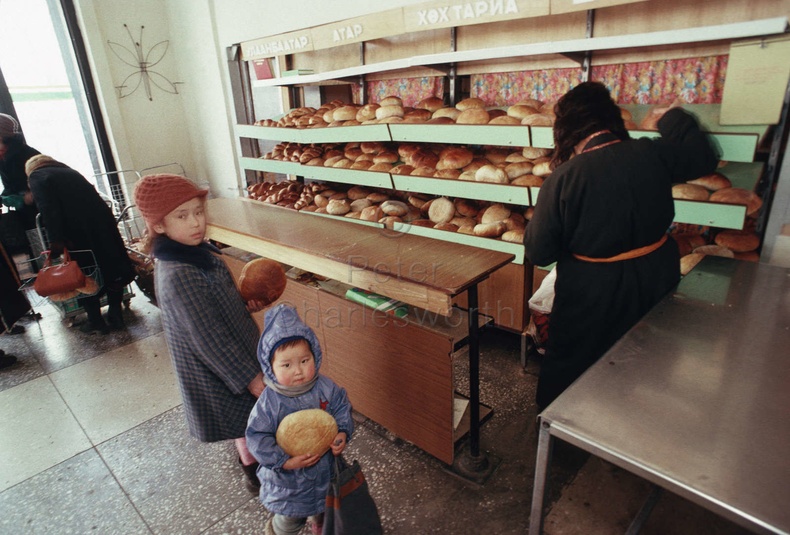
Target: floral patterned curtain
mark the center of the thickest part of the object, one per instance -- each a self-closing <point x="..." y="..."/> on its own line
<point x="410" y="90"/>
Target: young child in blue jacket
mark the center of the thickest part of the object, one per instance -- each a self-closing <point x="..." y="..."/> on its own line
<point x="293" y="488"/>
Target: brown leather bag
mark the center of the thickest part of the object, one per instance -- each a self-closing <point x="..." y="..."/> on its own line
<point x="64" y="277"/>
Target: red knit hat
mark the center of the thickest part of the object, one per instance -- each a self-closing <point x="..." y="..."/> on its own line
<point x="157" y="195"/>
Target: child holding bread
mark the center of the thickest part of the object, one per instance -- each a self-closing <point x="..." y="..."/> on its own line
<point x="210" y="333"/>
<point x="294" y="485"/>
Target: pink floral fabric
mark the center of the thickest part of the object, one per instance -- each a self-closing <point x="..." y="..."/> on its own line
<point x="410" y="90"/>
<point x="692" y="80"/>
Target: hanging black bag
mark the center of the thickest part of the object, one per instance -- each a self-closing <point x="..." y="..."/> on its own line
<point x="350" y="509"/>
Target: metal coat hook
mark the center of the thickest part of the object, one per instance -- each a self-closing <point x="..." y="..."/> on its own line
<point x="142" y="62"/>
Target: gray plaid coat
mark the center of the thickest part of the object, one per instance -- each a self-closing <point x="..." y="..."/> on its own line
<point x="212" y="341"/>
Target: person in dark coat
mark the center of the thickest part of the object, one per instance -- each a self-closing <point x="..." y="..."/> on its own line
<point x="603" y="216"/>
<point x="210" y="333"/>
<point x="13" y="303"/>
<point x="77" y="218"/>
<point x="14" y="153"/>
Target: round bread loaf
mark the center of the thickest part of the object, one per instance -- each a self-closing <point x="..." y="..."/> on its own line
<point x="378" y="197"/>
<point x="532" y="102"/>
<point x="454" y="158"/>
<point x="690" y="192"/>
<point x="361" y="165"/>
<point x="538" y="119"/>
<point x="342" y="163"/>
<point x="65" y="296"/>
<point x="517" y="169"/>
<point x="391" y="101"/>
<point x="306" y="432"/>
<point x="528" y="181"/>
<point x="541" y="167"/>
<point x="384" y="112"/>
<point x="495" y="212"/>
<point x="505" y="119"/>
<point x="427" y="223"/>
<point x="468" y="176"/>
<point x="382" y="167"/>
<point x="452" y="113"/>
<point x="262" y="280"/>
<point x="688" y="241"/>
<point x="531" y="153"/>
<point x="431" y="104"/>
<point x="713" y="181"/>
<point x="423" y="158"/>
<point x="491" y="173"/>
<point x="449" y="226"/>
<point x="396" y="208"/>
<point x="390" y="119"/>
<point x="738" y="241"/>
<point x="423" y="171"/>
<point x="442" y="210"/>
<point x="402" y="169"/>
<point x="714" y="250"/>
<point x="461" y="222"/>
<point x="371" y="213"/>
<point x="345" y="113"/>
<point x="418" y="115"/>
<point x="371" y="147"/>
<point x="360" y="204"/>
<point x="519" y="111"/>
<point x="358" y="192"/>
<point x="470" y="103"/>
<point x="515" y="236"/>
<point x="367" y="112"/>
<point x="473" y="116"/>
<point x="385" y="156"/>
<point x="738" y="196"/>
<point x="466" y="207"/>
<point x="338" y="207"/>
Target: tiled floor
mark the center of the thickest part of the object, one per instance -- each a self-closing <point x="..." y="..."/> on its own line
<point x="93" y="440"/>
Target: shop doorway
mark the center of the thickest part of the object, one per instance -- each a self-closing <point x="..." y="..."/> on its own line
<point x="45" y="84"/>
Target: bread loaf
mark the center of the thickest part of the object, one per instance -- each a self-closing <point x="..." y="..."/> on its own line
<point x="691" y="192"/>
<point x="517" y="169"/>
<point x="473" y="116"/>
<point x="345" y="113"/>
<point x="451" y="113"/>
<point x="505" y="119"/>
<point x="467" y="207"/>
<point x="495" y="212"/>
<point x="490" y="230"/>
<point x="688" y="262"/>
<point x="470" y="103"/>
<point x="371" y="213"/>
<point x="541" y="167"/>
<point x="391" y="101"/>
<point x="378" y="197"/>
<point x="447" y="173"/>
<point x="262" y="280"/>
<point x="738" y="196"/>
<point x="367" y="112"/>
<point x="738" y="241"/>
<point x="306" y="432"/>
<point x="90" y="288"/>
<point x="338" y="207"/>
<point x="431" y="104"/>
<point x="396" y="208"/>
<point x="528" y="181"/>
<point x="491" y="173"/>
<point x="531" y="102"/>
<point x="361" y="165"/>
<point x="714" y="250"/>
<point x="441" y="120"/>
<point x="538" y="119"/>
<point x="515" y="236"/>
<point x="358" y="192"/>
<point x="417" y="116"/>
<point x="442" y="210"/>
<point x="533" y="153"/>
<point x="454" y="158"/>
<point x="713" y="181"/>
<point x="519" y="111"/>
<point x="381" y="167"/>
<point x="402" y="169"/>
<point x="384" y="112"/>
<point x="360" y="204"/>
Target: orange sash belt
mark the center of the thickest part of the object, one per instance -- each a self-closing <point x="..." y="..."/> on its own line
<point x="628" y="255"/>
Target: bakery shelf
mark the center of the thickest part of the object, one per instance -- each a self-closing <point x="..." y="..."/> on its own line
<point x="736" y="30"/>
<point x="334" y="134"/>
<point x="729" y="216"/>
<point x="346" y="176"/>
<point x="516" y="249"/>
<point x="272" y="133"/>
<point x="374" y="224"/>
<point x="499" y="135"/>
<point x="273" y="166"/>
<point x="481" y="191"/>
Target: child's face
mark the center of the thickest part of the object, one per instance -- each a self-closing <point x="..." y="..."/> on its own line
<point x="186" y="224"/>
<point x="293" y="365"/>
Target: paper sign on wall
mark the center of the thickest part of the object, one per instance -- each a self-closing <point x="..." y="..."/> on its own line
<point x="757" y="76"/>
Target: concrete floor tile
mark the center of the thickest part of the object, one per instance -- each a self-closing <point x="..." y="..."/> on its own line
<point x="120" y="389"/>
<point x="38" y="431"/>
<point x="178" y="485"/>
<point x="77" y="496"/>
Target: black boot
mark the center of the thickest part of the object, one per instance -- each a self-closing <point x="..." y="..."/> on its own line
<point x="95" y="322"/>
<point x="251" y="477"/>
<point x="114" y="315"/>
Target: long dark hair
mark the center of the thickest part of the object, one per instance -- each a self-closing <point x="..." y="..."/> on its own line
<point x="584" y="110"/>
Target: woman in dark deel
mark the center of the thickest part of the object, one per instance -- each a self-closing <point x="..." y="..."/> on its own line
<point x="603" y="216"/>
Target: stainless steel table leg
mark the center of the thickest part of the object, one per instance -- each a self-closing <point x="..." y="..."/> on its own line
<point x="542" y="462"/>
<point x="644" y="512"/>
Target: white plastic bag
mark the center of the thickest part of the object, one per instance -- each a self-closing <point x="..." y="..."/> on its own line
<point x="543" y="299"/>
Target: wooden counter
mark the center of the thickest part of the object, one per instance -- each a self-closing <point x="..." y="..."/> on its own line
<point x="397" y="372"/>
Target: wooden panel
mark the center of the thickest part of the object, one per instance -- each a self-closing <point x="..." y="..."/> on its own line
<point x="358" y="29"/>
<point x="396" y="373"/>
<point x="566" y="6"/>
<point x="420" y="271"/>
<point x="407" y="45"/>
<point x="277" y="45"/>
<point x="525" y="31"/>
<point x="339" y="57"/>
<point x="504" y="296"/>
<point x="433" y="15"/>
<point x="676" y="14"/>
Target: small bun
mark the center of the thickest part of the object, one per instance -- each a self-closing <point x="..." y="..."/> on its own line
<point x="691" y="192"/>
<point x="431" y="104"/>
<point x="473" y="116"/>
<point x="470" y="103"/>
<point x="263" y="280"/>
<point x="391" y="101"/>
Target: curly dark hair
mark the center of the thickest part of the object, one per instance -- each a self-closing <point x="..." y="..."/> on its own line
<point x="584" y="110"/>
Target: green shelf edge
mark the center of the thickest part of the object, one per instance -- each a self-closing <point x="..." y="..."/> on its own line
<point x="516" y="249"/>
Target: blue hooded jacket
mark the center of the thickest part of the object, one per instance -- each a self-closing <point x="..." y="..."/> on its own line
<point x="297" y="493"/>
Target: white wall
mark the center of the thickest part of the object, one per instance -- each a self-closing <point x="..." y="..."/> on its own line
<point x="195" y="127"/>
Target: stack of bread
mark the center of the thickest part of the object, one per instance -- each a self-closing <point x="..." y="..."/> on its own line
<point x="526" y="166"/>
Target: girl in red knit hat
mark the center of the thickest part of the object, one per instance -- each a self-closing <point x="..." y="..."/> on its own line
<point x="209" y="331"/>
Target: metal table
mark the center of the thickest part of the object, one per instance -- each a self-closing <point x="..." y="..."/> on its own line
<point x="695" y="398"/>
